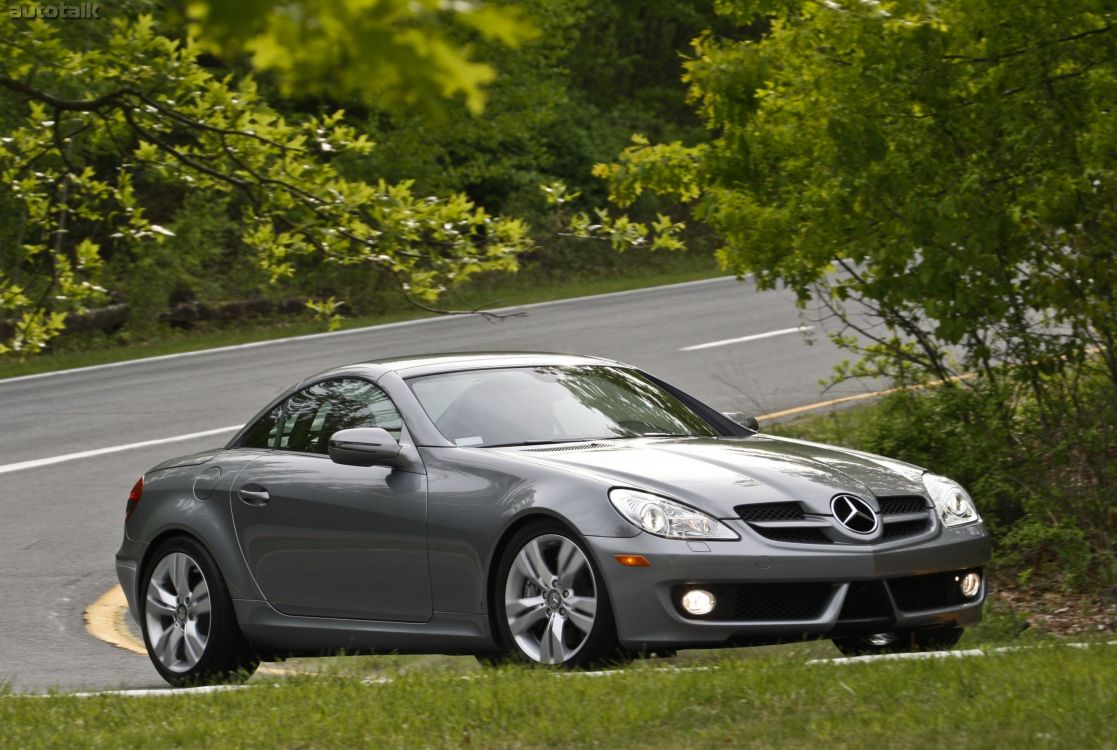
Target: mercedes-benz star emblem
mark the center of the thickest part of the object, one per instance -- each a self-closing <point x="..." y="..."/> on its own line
<point x="854" y="513"/>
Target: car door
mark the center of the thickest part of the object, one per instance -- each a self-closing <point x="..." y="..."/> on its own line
<point x="328" y="540"/>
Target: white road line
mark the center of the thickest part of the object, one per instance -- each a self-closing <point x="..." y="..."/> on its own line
<point x="913" y="656"/>
<point x="38" y="462"/>
<point x="366" y="329"/>
<point x="742" y="339"/>
<point x="150" y="692"/>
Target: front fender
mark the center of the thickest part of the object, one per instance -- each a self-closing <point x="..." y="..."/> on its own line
<point x="475" y="496"/>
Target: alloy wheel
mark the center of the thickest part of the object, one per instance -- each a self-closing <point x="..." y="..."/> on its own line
<point x="550" y="599"/>
<point x="177" y="612"/>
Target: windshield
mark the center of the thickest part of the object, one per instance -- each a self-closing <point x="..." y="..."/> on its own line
<point x="523" y="405"/>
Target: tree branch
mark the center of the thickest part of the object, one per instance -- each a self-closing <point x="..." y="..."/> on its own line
<point x="111" y="99"/>
<point x="492" y="317"/>
<point x="178" y="155"/>
<point x="1025" y="50"/>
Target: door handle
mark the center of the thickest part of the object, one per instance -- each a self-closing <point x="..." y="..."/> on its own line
<point x="255" y="497"/>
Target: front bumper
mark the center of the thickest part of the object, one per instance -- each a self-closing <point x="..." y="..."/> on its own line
<point x="789" y="591"/>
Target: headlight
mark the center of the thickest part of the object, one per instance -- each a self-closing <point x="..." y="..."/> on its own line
<point x="954" y="504"/>
<point x="663" y="517"/>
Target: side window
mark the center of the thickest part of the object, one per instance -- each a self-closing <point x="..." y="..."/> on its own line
<point x="262" y="433"/>
<point x="316" y="412"/>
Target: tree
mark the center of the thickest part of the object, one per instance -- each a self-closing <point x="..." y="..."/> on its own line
<point x="407" y="52"/>
<point x="939" y="176"/>
<point x="95" y="123"/>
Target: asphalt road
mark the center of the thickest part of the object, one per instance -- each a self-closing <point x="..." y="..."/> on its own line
<point x="60" y="524"/>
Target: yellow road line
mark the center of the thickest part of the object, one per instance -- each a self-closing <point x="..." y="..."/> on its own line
<point x="863" y="396"/>
<point x="107" y="620"/>
<point x="885" y="392"/>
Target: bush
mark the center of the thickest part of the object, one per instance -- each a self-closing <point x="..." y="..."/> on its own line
<point x="1042" y="475"/>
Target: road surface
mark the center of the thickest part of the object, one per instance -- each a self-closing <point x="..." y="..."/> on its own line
<point x="720" y="339"/>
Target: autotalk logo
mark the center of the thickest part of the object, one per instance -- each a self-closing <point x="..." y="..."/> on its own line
<point x="79" y="10"/>
<point x="854" y="513"/>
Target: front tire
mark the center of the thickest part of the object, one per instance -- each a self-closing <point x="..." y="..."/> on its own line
<point x="900" y="642"/>
<point x="551" y="603"/>
<point x="187" y="618"/>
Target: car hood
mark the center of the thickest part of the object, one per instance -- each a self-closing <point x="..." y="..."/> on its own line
<point x="716" y="475"/>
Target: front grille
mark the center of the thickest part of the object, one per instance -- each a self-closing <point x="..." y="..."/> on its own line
<point x="901" y="517"/>
<point x="770" y="512"/>
<point x="902" y="504"/>
<point x="760" y="514"/>
<point x="926" y="592"/>
<point x="797" y="535"/>
<point x="762" y="602"/>
<point x="904" y="529"/>
<point x="896" y="517"/>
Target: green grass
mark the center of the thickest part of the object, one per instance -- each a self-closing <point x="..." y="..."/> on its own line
<point x="503" y="292"/>
<point x="1044" y="697"/>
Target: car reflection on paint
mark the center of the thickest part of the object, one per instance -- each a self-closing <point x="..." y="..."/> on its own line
<point x="553" y="509"/>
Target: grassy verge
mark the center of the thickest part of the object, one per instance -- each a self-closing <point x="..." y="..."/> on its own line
<point x="1049" y="697"/>
<point x="503" y="292"/>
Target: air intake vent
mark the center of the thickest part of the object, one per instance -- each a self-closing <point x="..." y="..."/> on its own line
<point x="927" y="592"/>
<point x="764" y="602"/>
<point x="563" y="447"/>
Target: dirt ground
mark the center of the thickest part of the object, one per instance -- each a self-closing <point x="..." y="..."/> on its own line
<point x="1059" y="613"/>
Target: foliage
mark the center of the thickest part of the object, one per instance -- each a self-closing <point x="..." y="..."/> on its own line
<point x="112" y="133"/>
<point x="402" y="52"/>
<point x="598" y="71"/>
<point x="937" y="176"/>
<point x="1045" y="490"/>
<point x="620" y="232"/>
<point x="575" y="78"/>
<point x="327" y="311"/>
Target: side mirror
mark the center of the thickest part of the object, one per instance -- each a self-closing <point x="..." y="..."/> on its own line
<point x="364" y="446"/>
<point x="745" y="420"/>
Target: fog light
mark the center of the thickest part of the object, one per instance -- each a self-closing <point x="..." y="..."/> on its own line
<point x="699" y="602"/>
<point x="971" y="584"/>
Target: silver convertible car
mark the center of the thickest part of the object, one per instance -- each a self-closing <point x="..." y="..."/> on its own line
<point x="545" y="508"/>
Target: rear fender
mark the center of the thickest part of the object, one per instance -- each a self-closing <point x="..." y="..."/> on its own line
<point x="193" y="500"/>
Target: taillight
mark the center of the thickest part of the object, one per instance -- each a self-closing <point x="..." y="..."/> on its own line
<point x="134" y="498"/>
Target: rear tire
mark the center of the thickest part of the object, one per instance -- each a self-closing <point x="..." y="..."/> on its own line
<point x="551" y="603"/>
<point x="900" y="641"/>
<point x="187" y="618"/>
